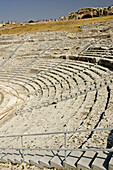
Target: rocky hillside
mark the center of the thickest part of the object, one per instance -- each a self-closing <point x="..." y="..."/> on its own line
<point x="88" y="13"/>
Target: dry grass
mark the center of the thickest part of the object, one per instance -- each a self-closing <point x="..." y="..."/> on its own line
<point x="69" y="26"/>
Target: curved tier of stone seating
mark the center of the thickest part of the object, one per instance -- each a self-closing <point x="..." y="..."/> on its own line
<point x="102" y="49"/>
<point x="58" y="94"/>
<point x="60" y="74"/>
<point x="48" y="108"/>
<point x="65" y="73"/>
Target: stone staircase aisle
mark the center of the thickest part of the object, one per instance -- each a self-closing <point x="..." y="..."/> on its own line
<point x="80" y="160"/>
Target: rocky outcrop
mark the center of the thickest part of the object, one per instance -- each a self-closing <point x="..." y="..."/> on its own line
<point x="88" y="13"/>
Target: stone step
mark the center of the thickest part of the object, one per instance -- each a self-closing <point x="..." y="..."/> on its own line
<point x="86" y="160"/>
<point x="14" y="158"/>
<point x="45" y="161"/>
<point x="11" y="156"/>
<point x="72" y="159"/>
<point x="101" y="161"/>
<point x="58" y="159"/>
<point x="33" y="157"/>
<point x="3" y="157"/>
<point x="111" y="162"/>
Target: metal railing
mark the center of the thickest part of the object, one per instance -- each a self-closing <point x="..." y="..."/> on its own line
<point x="31" y="62"/>
<point x="88" y="45"/>
<point x="65" y="149"/>
<point x="11" y="54"/>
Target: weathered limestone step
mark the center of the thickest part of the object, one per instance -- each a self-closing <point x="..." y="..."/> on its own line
<point x="11" y="156"/>
<point x="14" y="157"/>
<point x="33" y="157"/>
<point x="3" y="157"/>
<point x="111" y="162"/>
<point x="72" y="159"/>
<point x="34" y="160"/>
<point x="101" y="161"/>
<point x="45" y="161"/>
<point x="58" y="159"/>
<point x="86" y="160"/>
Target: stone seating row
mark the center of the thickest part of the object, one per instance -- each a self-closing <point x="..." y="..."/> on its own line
<point x="35" y="89"/>
<point x="98" y="73"/>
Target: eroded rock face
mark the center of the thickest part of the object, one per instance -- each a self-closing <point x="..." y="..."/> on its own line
<point x="89" y="13"/>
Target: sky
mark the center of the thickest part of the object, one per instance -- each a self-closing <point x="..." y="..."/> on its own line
<point x="25" y="10"/>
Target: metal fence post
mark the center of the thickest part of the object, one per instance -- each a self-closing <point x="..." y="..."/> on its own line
<point x="65" y="145"/>
<point x="22" y="146"/>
